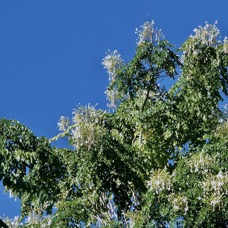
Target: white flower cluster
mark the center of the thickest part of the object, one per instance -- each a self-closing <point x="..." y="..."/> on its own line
<point x="112" y="97"/>
<point x="10" y="191"/>
<point x="218" y="183"/>
<point x="200" y="162"/>
<point x="85" y="128"/>
<point x="217" y="187"/>
<point x="12" y="223"/>
<point x="179" y="202"/>
<point x="32" y="220"/>
<point x="215" y="201"/>
<point x="225" y="47"/>
<point x="148" y="32"/>
<point x="160" y="180"/>
<point x="64" y="123"/>
<point x="207" y="34"/>
<point x="37" y="220"/>
<point x="88" y="126"/>
<point x="112" y="61"/>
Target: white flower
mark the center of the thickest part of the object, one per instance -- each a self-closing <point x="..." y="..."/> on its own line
<point x="15" y="222"/>
<point x="225" y="48"/>
<point x="160" y="181"/>
<point x="112" y="97"/>
<point x="186" y="209"/>
<point x="215" y="201"/>
<point x="63" y="123"/>
<point x="219" y="175"/>
<point x="213" y="184"/>
<point x="112" y="61"/>
<point x="147" y="32"/>
<point x="207" y="34"/>
<point x="179" y="202"/>
<point x="88" y="126"/>
<point x="184" y="199"/>
<point x="10" y="194"/>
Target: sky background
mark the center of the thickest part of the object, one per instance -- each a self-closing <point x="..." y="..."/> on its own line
<point x="51" y="53"/>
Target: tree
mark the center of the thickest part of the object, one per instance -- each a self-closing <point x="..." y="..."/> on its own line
<point x="159" y="158"/>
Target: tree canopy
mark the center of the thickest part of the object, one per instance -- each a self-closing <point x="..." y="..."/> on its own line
<point x="157" y="159"/>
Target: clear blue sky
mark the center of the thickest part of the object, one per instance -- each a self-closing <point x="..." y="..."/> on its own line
<point x="51" y="52"/>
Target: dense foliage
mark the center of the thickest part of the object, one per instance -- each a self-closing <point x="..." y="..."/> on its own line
<point x="158" y="159"/>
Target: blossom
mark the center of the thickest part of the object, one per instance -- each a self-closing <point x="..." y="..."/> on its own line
<point x="219" y="175"/>
<point x="207" y="34"/>
<point x="225" y="47"/>
<point x="10" y="193"/>
<point x="63" y="123"/>
<point x="204" y="35"/>
<point x="160" y="181"/>
<point x="112" y="61"/>
<point x="215" y="201"/>
<point x="217" y="184"/>
<point x="112" y="97"/>
<point x="14" y="222"/>
<point x="200" y="162"/>
<point x="179" y="202"/>
<point x="148" y="32"/>
<point x="88" y="126"/>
